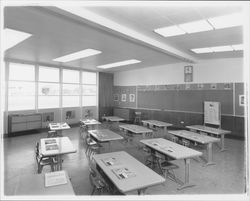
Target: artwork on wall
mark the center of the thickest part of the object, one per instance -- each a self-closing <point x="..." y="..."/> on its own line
<point x="70" y="114"/>
<point x="132" y="97"/>
<point x="48" y="117"/>
<point x="242" y="100"/>
<point x="124" y="97"/>
<point x="116" y="97"/>
<point x="227" y="86"/>
<point x="188" y="73"/>
<point x="213" y="86"/>
<point x="200" y="86"/>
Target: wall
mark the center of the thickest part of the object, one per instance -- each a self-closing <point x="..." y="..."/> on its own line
<point x="162" y="94"/>
<point x="105" y="94"/>
<point x="220" y="70"/>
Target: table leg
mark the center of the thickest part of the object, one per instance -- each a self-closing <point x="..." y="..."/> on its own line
<point x="222" y="140"/>
<point x="141" y="191"/>
<point x="59" y="161"/>
<point x="210" y="154"/>
<point x="186" y="184"/>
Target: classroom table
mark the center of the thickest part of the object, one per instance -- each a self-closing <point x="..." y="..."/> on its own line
<point x="127" y="173"/>
<point x="105" y="136"/>
<point x="56" y="147"/>
<point x="201" y="139"/>
<point x="34" y="184"/>
<point x="89" y="122"/>
<point x="135" y="129"/>
<point x="159" y="124"/>
<point x="58" y="127"/>
<point x="214" y="131"/>
<point x="113" y="119"/>
<point x="175" y="151"/>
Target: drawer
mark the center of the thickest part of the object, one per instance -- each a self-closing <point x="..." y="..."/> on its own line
<point x="17" y="119"/>
<point x="34" y="118"/>
<point x="18" y="127"/>
<point x="34" y="125"/>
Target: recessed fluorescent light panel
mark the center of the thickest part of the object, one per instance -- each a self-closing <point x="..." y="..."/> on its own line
<point x="222" y="48"/>
<point x="202" y="50"/>
<point x="77" y="55"/>
<point x="226" y="21"/>
<point x="218" y="49"/>
<point x="197" y="26"/>
<point x="121" y="63"/>
<point x="170" y="31"/>
<point x="13" y="37"/>
<point x="237" y="47"/>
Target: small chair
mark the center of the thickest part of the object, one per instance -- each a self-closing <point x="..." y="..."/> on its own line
<point x="43" y="161"/>
<point x="52" y="134"/>
<point x="137" y="119"/>
<point x="185" y="142"/>
<point x="167" y="167"/>
<point x="148" y="158"/>
<point x="174" y="139"/>
<point x="92" y="146"/>
<point x="96" y="180"/>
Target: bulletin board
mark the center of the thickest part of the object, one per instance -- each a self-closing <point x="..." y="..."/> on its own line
<point x="212" y="113"/>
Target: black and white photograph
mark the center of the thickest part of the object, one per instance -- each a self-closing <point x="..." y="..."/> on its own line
<point x="159" y="89"/>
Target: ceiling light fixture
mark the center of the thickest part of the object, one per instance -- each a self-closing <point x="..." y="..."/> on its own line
<point x="121" y="63"/>
<point x="226" y="48"/>
<point x="226" y="21"/>
<point x="197" y="26"/>
<point x="13" y="37"/>
<point x="77" y="55"/>
<point x="170" y="31"/>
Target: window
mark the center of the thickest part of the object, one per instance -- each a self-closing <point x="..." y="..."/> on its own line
<point x="89" y="89"/>
<point x="21" y="87"/>
<point x="48" y="87"/>
<point x="70" y="92"/>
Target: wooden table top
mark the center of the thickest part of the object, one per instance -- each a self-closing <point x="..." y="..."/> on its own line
<point x="171" y="149"/>
<point x="216" y="131"/>
<point x="34" y="184"/>
<point x="56" y="146"/>
<point x="90" y="121"/>
<point x="203" y="139"/>
<point x="58" y="126"/>
<point x="105" y="135"/>
<point x="135" y="128"/>
<point x="126" y="172"/>
<point x="157" y="123"/>
<point x="112" y="118"/>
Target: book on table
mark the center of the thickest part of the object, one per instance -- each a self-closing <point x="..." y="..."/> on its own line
<point x="123" y="173"/>
<point x="55" y="178"/>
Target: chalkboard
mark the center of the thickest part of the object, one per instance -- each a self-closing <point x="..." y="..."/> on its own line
<point x="212" y="113"/>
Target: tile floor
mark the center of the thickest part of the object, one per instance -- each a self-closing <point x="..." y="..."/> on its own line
<point x="226" y="177"/>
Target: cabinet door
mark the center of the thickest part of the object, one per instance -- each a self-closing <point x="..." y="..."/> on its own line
<point x="18" y="119"/>
<point x="34" y="118"/>
<point x="33" y="125"/>
<point x="18" y="127"/>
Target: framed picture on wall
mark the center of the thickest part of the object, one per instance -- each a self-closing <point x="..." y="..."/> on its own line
<point x="188" y="73"/>
<point x="124" y="97"/>
<point x="242" y="100"/>
<point x="116" y="97"/>
<point x="132" y="97"/>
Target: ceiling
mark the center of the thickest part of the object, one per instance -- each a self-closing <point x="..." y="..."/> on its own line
<point x="56" y="32"/>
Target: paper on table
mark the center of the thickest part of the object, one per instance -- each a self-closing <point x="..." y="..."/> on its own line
<point x="123" y="173"/>
<point x="55" y="178"/>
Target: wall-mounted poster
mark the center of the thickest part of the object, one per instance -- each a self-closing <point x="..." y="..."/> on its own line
<point x="70" y="114"/>
<point x="132" y="97"/>
<point x="116" y="97"/>
<point x="124" y="97"/>
<point x="188" y="73"/>
<point x="48" y="117"/>
<point x="242" y="100"/>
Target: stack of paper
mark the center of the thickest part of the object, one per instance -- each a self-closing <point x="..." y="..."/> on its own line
<point x="55" y="178"/>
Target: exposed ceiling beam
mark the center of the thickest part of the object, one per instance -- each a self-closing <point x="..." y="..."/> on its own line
<point x="129" y="33"/>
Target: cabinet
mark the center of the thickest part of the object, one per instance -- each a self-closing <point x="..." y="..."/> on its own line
<point x="24" y="122"/>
